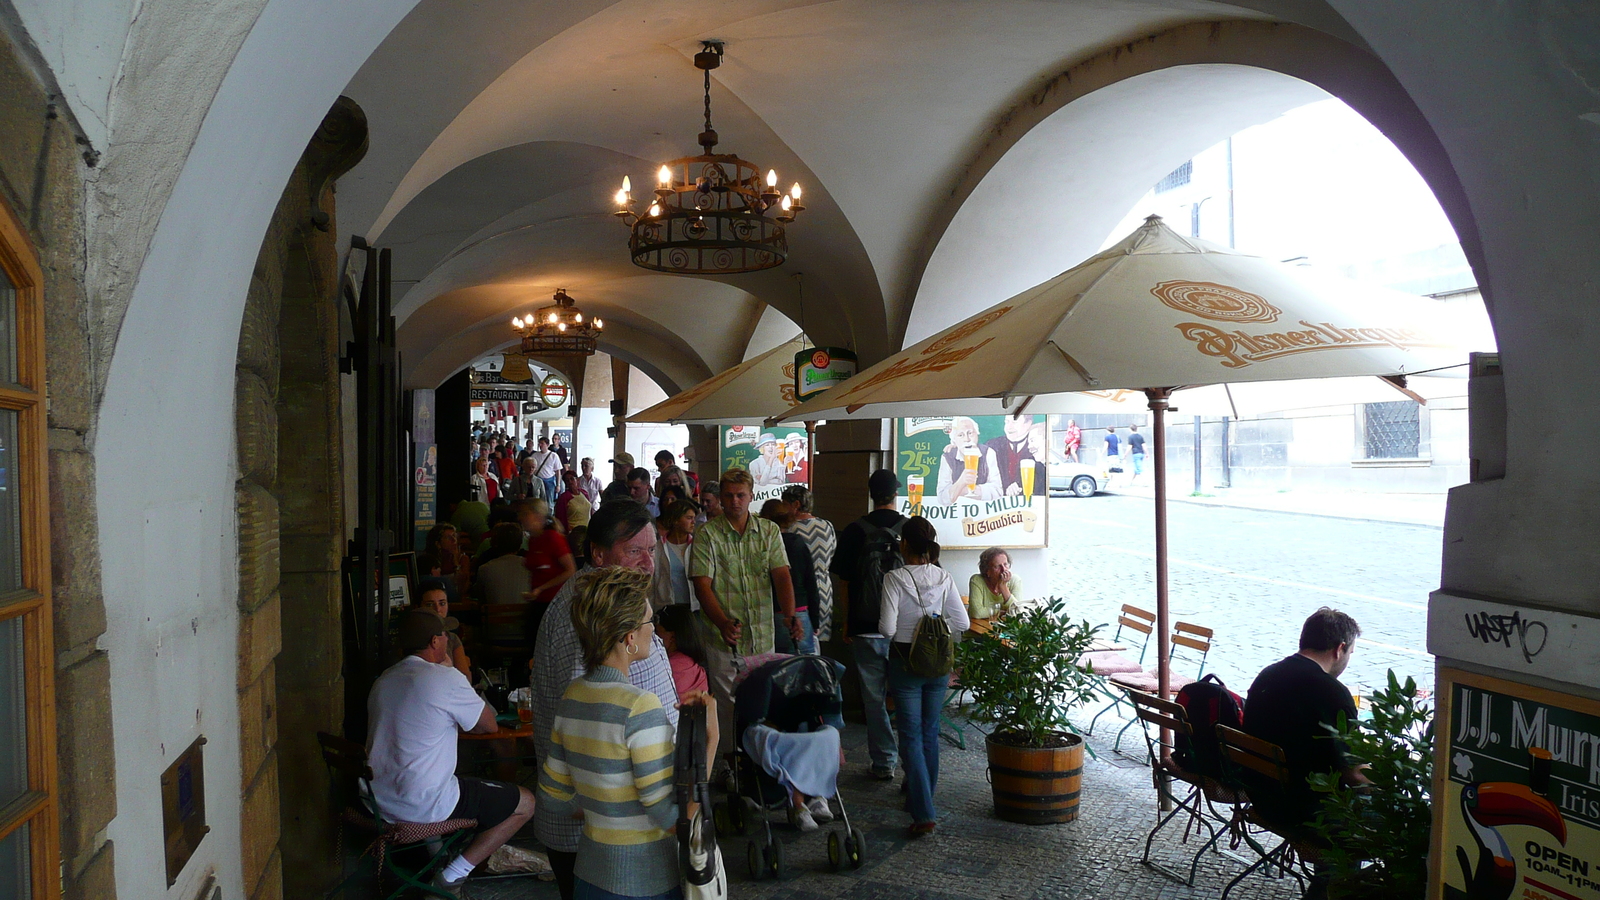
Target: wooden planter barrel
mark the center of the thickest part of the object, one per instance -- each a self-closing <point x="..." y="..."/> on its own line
<point x="1036" y="786"/>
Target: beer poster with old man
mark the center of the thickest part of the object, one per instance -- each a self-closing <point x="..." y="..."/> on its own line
<point x="983" y="481"/>
<point x="775" y="457"/>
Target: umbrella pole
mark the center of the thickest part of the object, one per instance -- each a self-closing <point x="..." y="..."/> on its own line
<point x="1158" y="409"/>
<point x="811" y="455"/>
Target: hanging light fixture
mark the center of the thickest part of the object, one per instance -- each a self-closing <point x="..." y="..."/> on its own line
<point x="560" y="329"/>
<point x="710" y="212"/>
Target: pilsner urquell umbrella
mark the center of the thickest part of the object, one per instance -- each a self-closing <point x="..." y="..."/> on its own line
<point x="1156" y="313"/>
<point x="754" y="390"/>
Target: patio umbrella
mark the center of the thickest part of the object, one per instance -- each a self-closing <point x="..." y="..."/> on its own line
<point x="1156" y="313"/>
<point x="754" y="390"/>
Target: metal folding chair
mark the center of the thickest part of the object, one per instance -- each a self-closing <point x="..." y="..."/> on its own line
<point x="1163" y="721"/>
<point x="441" y="841"/>
<point x="1295" y="851"/>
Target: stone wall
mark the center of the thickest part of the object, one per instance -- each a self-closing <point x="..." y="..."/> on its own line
<point x="289" y="496"/>
<point x="42" y="175"/>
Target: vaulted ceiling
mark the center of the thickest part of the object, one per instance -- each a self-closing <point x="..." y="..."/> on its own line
<point x="500" y="130"/>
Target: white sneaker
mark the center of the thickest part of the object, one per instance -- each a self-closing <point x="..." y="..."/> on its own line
<point x="453" y="888"/>
<point x="819" y="809"/>
<point x="801" y="819"/>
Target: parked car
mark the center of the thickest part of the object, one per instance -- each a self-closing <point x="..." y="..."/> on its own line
<point x="1068" y="477"/>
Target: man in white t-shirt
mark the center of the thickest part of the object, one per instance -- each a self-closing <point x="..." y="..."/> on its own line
<point x="548" y="464"/>
<point x="416" y="711"/>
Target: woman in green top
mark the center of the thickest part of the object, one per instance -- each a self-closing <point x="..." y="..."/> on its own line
<point x="991" y="591"/>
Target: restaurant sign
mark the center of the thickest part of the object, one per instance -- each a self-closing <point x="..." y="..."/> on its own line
<point x="554" y="391"/>
<point x="820" y="368"/>
<point x="490" y="394"/>
<point x="1516" y="792"/>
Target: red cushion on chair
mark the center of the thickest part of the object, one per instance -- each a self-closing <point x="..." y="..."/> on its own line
<point x="1108" y="662"/>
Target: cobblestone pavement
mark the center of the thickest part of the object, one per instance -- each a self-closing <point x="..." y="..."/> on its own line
<point x="974" y="854"/>
<point x="1253" y="576"/>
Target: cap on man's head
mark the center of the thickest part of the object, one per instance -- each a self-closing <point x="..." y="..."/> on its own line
<point x="882" y="483"/>
<point x="624" y="459"/>
<point x="417" y="628"/>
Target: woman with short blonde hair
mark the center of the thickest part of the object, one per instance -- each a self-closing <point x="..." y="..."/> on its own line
<point x="628" y="847"/>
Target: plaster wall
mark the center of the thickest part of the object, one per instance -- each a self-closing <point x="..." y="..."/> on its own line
<point x="172" y="629"/>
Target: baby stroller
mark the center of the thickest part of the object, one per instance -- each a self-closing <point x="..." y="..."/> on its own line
<point x="796" y="695"/>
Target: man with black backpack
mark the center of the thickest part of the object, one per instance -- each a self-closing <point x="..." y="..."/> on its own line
<point x="868" y="548"/>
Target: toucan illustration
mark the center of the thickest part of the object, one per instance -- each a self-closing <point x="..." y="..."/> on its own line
<point x="1486" y="806"/>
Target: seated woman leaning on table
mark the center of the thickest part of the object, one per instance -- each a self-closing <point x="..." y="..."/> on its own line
<point x="992" y="590"/>
<point x="612" y="748"/>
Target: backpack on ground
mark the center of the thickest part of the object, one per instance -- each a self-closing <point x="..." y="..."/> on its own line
<point x="1207" y="703"/>
<point x="879" y="556"/>
<point x="933" y="648"/>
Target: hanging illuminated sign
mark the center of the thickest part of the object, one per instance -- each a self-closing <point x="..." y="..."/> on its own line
<point x="820" y="368"/>
<point x="554" y="391"/>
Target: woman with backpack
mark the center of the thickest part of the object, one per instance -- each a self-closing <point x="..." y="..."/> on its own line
<point x="921" y="613"/>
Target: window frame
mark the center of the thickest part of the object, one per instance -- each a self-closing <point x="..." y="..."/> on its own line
<point x="38" y="808"/>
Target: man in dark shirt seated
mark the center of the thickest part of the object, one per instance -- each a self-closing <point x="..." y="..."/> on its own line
<point x="1293" y="703"/>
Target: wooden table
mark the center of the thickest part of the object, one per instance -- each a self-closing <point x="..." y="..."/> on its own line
<point x="984" y="626"/>
<point x="523" y="730"/>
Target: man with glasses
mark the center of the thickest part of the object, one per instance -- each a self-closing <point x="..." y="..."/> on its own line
<point x="621" y="533"/>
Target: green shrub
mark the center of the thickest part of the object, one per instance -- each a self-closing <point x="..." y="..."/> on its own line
<point x="1380" y="835"/>
<point x="1024" y="676"/>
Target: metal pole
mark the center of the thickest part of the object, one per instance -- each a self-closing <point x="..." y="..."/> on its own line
<point x="1227" y="464"/>
<point x="1197" y="454"/>
<point x="1230" y="193"/>
<point x="1158" y="409"/>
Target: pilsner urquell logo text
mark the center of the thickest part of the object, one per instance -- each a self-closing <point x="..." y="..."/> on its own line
<point x="1237" y="349"/>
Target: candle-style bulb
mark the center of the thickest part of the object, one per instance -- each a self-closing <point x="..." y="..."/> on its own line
<point x="655" y="209"/>
<point x="772" y="178"/>
<point x="579" y="317"/>
<point x="516" y="322"/>
<point x="552" y="317"/>
<point x="598" y="325"/>
<point x="627" y="186"/>
<point x="795" y="191"/>
<point x="786" y="202"/>
<point x="562" y="327"/>
<point x="664" y="177"/>
<point x="622" y="198"/>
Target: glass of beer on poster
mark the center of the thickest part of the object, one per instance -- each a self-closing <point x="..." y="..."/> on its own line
<point x="1026" y="468"/>
<point x="914" y="492"/>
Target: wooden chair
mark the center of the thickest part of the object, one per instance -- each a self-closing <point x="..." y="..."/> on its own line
<point x="1267" y="761"/>
<point x="1105" y="664"/>
<point x="440" y="841"/>
<point x="1208" y="802"/>
<point x="1188" y="644"/>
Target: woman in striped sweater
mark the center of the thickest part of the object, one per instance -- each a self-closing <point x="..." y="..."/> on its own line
<point x="611" y="748"/>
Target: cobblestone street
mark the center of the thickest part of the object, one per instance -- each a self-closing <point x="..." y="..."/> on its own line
<point x="1254" y="576"/>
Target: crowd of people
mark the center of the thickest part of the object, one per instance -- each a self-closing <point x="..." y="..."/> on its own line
<point x="618" y="606"/>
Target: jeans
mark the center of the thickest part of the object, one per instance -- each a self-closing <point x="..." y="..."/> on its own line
<point x="872" y="663"/>
<point x="808" y="638"/>
<point x="550" y="491"/>
<point x="1138" y="463"/>
<point x="917" y="701"/>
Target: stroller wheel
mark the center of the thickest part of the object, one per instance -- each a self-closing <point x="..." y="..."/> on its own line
<point x="855" y="848"/>
<point x="752" y="855"/>
<point x="775" y="862"/>
<point x="835" y="851"/>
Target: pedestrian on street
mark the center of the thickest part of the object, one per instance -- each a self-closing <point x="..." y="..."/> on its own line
<point x="1074" y="440"/>
<point x="1136" y="449"/>
<point x="917" y="589"/>
<point x="868" y="548"/>
<point x="1113" y="450"/>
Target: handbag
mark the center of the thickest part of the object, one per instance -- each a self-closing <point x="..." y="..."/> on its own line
<point x="699" y="857"/>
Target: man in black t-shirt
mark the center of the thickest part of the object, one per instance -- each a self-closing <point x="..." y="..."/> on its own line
<point x="1136" y="450"/>
<point x="861" y="603"/>
<point x="1294" y="703"/>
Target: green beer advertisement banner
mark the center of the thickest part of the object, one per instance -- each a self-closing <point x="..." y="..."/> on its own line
<point x="1517" y="792"/>
<point x="983" y="481"/>
<point x="775" y="457"/>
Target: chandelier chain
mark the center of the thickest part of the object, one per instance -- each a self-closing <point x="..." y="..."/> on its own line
<point x="708" y="99"/>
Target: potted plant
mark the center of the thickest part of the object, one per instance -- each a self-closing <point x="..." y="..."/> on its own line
<point x="1378" y="837"/>
<point x="1024" y="679"/>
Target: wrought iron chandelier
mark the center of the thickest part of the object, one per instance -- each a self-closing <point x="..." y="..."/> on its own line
<point x="559" y="329"/>
<point x="709" y="215"/>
